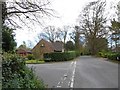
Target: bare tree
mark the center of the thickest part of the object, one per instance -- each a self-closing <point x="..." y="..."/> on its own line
<point x="93" y="23"/>
<point x="118" y="9"/>
<point x="26" y="11"/>
<point x="75" y="36"/>
<point x="50" y="33"/>
<point x="63" y="33"/>
<point x="30" y="44"/>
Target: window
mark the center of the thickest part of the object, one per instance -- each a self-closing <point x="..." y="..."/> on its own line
<point x="42" y="45"/>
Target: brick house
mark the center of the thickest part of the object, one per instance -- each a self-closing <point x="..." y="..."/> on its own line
<point x="44" y="46"/>
<point x="23" y="51"/>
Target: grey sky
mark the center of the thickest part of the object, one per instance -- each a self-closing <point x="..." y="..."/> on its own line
<point x="67" y="10"/>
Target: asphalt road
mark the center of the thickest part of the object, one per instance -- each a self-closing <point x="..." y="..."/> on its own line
<point x="82" y="72"/>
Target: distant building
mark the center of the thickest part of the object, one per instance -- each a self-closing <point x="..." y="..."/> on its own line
<point x="44" y="46"/>
<point x="23" y="51"/>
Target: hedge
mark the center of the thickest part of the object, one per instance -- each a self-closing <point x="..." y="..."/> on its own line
<point x="30" y="56"/>
<point x="59" y="56"/>
<point x="15" y="74"/>
<point x="110" y="55"/>
<point x="114" y="56"/>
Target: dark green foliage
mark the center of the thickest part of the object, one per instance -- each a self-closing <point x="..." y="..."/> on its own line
<point x="115" y="36"/>
<point x="78" y="53"/>
<point x="110" y="55"/>
<point x="17" y="75"/>
<point x="59" y="56"/>
<point x="113" y="56"/>
<point x="30" y="56"/>
<point x="8" y="41"/>
<point x="69" y="46"/>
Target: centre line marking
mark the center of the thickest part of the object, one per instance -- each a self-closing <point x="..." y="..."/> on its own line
<point x="58" y="86"/>
<point x="73" y="75"/>
<point x="58" y="83"/>
<point x="69" y="84"/>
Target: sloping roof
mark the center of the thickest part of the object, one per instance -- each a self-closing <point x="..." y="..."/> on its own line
<point x="22" y="49"/>
<point x="42" y="40"/>
<point x="58" y="46"/>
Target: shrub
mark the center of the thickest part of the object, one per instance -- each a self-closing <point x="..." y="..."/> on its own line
<point x="110" y="55"/>
<point x="30" y="56"/>
<point x="59" y="56"/>
<point x="77" y="53"/>
<point x="15" y="74"/>
<point x="114" y="56"/>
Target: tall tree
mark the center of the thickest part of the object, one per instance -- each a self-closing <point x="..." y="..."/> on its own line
<point x="8" y="41"/>
<point x="92" y="22"/>
<point x="63" y="33"/>
<point x="75" y="36"/>
<point x="0" y="29"/>
<point x="116" y="34"/>
<point x="23" y="45"/>
<point x="115" y="29"/>
<point x="69" y="46"/>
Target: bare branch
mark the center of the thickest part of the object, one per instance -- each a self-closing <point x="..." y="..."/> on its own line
<point x="32" y="10"/>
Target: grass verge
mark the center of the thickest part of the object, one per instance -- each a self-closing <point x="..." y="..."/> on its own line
<point x="34" y="61"/>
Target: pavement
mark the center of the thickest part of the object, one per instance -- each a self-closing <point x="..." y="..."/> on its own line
<point x="82" y="72"/>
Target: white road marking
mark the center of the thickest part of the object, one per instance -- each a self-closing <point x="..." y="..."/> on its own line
<point x="68" y="83"/>
<point x="58" y="83"/>
<point x="65" y="75"/>
<point x="71" y="63"/>
<point x="64" y="78"/>
<point x="71" y="85"/>
<point x="73" y="75"/>
<point x="58" y="86"/>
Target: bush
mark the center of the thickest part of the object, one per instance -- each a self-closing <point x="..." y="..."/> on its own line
<point x="110" y="55"/>
<point x="30" y="56"/>
<point x="15" y="74"/>
<point x="114" y="56"/>
<point x="77" y="53"/>
<point x="59" y="56"/>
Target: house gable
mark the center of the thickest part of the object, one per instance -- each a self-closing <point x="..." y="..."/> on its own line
<point x="42" y="47"/>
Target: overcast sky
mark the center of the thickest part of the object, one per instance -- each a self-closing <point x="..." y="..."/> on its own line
<point x="67" y="10"/>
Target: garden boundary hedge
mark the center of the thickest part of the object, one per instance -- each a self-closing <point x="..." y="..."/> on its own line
<point x="60" y="56"/>
<point x="110" y="55"/>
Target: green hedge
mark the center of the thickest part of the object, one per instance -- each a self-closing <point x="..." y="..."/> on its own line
<point x="110" y="55"/>
<point x="15" y="74"/>
<point x="114" y="56"/>
<point x="59" y="56"/>
<point x="30" y="56"/>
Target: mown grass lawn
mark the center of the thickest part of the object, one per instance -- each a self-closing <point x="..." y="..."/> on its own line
<point x="35" y="61"/>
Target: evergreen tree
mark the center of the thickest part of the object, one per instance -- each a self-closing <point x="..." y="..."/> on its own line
<point x="8" y="41"/>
